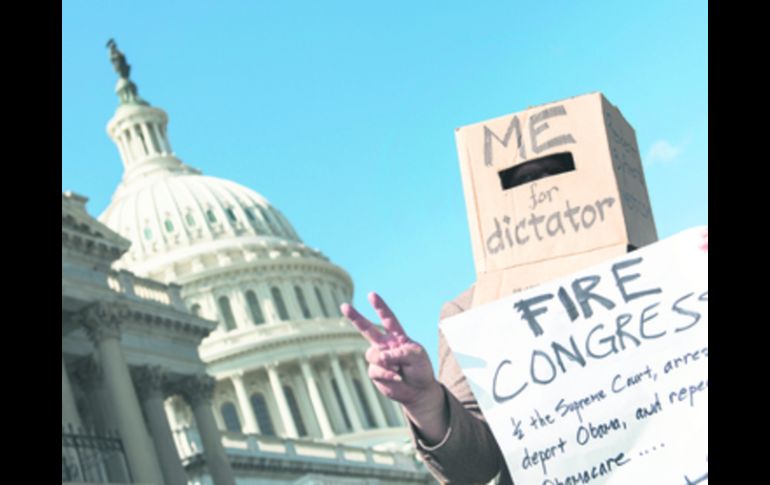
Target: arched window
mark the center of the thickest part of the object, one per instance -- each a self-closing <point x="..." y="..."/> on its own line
<point x="190" y="219"/>
<point x="302" y="302"/>
<point x="169" y="225"/>
<point x="256" y="311"/>
<point x="230" y="417"/>
<point x="227" y="313"/>
<point x="211" y="216"/>
<point x="341" y="404"/>
<point x="280" y="306"/>
<point x="196" y="310"/>
<point x="321" y="302"/>
<point x="294" y="408"/>
<point x="259" y="405"/>
<point x="364" y="403"/>
<point x="147" y="233"/>
<point x="231" y="214"/>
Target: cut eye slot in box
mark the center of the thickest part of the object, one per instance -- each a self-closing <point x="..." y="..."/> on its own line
<point x="536" y="169"/>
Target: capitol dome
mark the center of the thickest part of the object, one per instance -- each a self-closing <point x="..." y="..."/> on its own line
<point x="287" y="363"/>
<point x="178" y="219"/>
<point x="184" y="214"/>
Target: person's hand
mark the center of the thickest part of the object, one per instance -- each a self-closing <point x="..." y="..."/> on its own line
<point x="398" y="366"/>
<point x="705" y="241"/>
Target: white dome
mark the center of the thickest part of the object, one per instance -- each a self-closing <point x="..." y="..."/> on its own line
<point x="175" y="211"/>
<point x="180" y="221"/>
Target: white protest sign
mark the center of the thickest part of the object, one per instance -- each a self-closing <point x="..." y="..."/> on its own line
<point x="601" y="376"/>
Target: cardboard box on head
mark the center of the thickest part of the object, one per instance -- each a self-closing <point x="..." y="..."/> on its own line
<point x="551" y="190"/>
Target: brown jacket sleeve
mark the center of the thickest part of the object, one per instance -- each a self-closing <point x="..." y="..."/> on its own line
<point x="468" y="453"/>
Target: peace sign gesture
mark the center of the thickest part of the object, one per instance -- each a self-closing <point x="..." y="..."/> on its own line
<point x="399" y="367"/>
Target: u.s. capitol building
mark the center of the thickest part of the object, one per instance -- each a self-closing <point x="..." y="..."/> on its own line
<point x="201" y="338"/>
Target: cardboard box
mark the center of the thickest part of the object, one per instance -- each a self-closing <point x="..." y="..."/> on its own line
<point x="550" y="190"/>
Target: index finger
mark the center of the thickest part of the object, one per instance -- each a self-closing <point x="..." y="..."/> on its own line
<point x="364" y="326"/>
<point x="389" y="320"/>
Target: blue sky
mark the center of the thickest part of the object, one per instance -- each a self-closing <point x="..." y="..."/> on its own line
<point x="342" y="114"/>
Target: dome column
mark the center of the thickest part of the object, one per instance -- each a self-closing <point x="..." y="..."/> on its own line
<point x="337" y="419"/>
<point x="290" y="429"/>
<point x="315" y="399"/>
<point x="347" y="396"/>
<point x="250" y="421"/>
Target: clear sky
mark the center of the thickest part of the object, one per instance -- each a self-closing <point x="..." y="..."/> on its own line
<point x="342" y="114"/>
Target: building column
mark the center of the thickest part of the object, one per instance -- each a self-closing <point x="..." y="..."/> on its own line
<point x="149" y="382"/>
<point x="69" y="410"/>
<point x="290" y="429"/>
<point x="315" y="399"/>
<point x="347" y="396"/>
<point x="249" y="420"/>
<point x="198" y="390"/>
<point x="371" y="392"/>
<point x="71" y="424"/>
<point x="90" y="378"/>
<point x="102" y="322"/>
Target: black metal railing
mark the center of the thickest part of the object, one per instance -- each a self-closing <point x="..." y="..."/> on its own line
<point x="90" y="457"/>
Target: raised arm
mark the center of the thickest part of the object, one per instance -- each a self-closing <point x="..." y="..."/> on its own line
<point x="447" y="426"/>
<point x="401" y="370"/>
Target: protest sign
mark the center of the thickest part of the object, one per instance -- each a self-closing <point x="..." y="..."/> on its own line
<point x="600" y="376"/>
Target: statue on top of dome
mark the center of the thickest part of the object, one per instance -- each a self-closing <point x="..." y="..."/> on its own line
<point x="118" y="60"/>
<point x="126" y="89"/>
